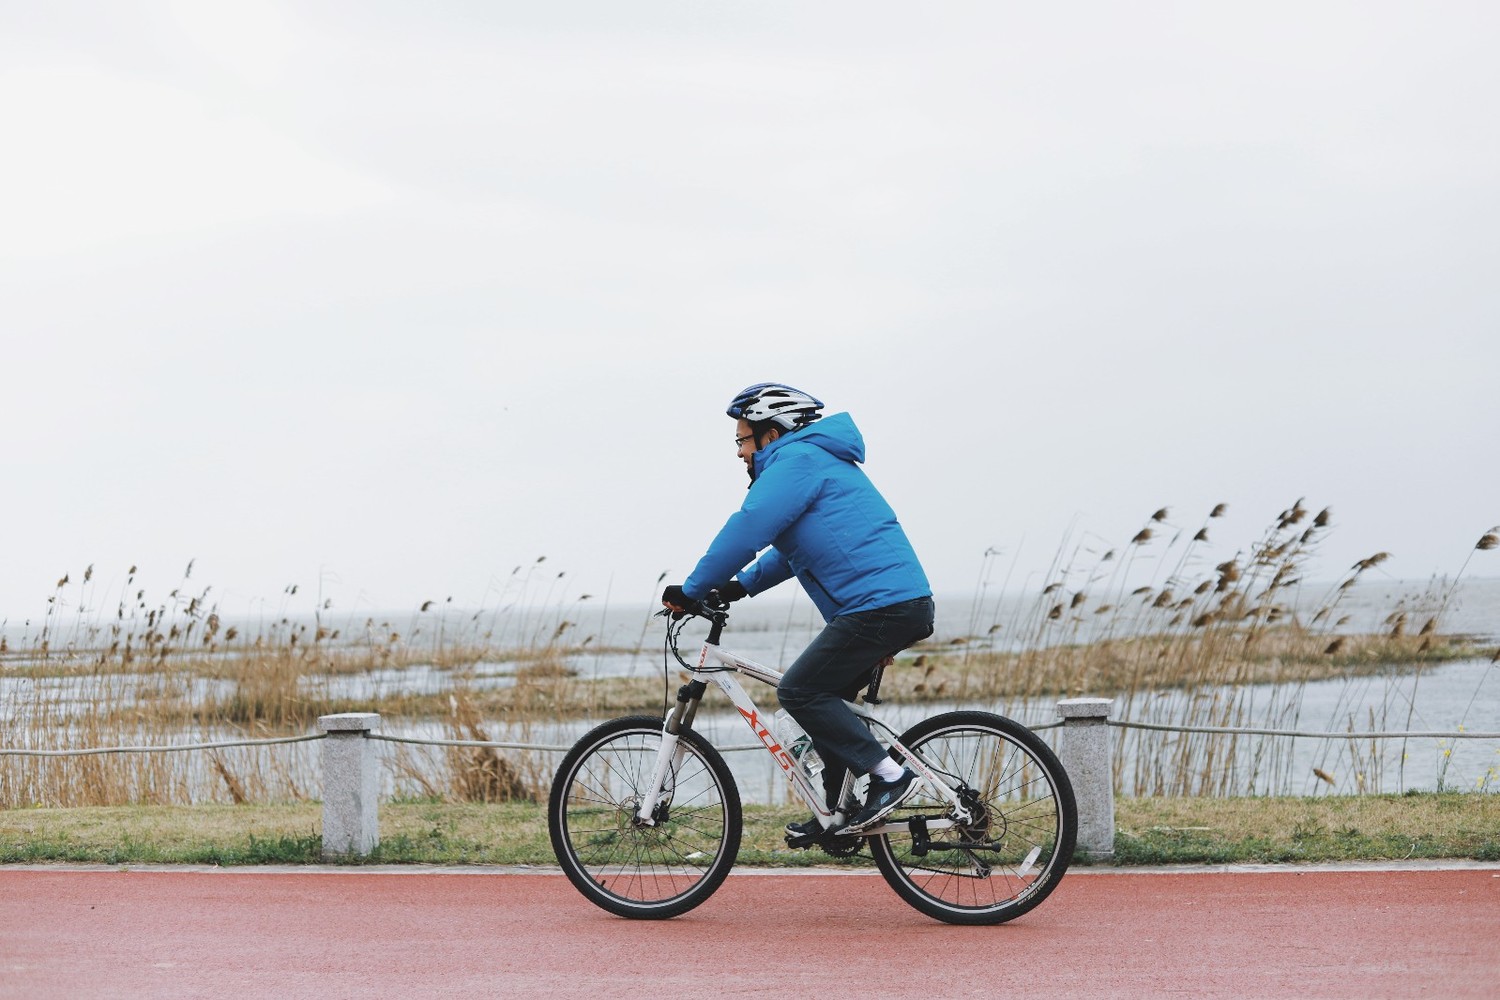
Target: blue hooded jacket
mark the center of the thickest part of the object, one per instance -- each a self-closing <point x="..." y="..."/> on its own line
<point x="824" y="522"/>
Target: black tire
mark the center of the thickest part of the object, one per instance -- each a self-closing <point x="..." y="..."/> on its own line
<point x="644" y="872"/>
<point x="1029" y="822"/>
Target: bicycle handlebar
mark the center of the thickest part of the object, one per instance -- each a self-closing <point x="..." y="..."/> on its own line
<point x="713" y="607"/>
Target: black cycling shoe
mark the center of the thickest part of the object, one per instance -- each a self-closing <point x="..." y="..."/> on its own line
<point x="803" y="834"/>
<point x="882" y="800"/>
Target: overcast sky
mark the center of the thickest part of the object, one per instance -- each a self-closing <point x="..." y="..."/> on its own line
<point x="386" y="299"/>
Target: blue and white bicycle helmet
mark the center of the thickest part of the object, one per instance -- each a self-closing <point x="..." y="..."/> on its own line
<point x="788" y="408"/>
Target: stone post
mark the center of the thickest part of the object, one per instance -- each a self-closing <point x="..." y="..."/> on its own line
<point x="351" y="785"/>
<point x="1084" y="747"/>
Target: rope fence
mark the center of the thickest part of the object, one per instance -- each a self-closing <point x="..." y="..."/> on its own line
<point x="487" y="744"/>
<point x="88" y="751"/>
<point x="738" y="747"/>
<point x="1299" y="734"/>
<point x="352" y="765"/>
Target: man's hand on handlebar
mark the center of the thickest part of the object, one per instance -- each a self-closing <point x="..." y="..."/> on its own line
<point x="676" y="599"/>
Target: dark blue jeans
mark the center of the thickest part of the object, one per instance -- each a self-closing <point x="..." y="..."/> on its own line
<point x="834" y="668"/>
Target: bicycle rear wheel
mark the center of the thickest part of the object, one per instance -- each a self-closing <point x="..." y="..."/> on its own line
<point x="633" y="870"/>
<point x="1020" y="842"/>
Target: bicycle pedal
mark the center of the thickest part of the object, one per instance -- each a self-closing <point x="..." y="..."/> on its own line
<point x="802" y="842"/>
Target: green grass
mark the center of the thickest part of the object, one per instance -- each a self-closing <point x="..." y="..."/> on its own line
<point x="1150" y="831"/>
<point x="1285" y="829"/>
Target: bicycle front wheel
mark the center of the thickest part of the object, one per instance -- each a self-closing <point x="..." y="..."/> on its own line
<point x="1019" y="840"/>
<point x="632" y="869"/>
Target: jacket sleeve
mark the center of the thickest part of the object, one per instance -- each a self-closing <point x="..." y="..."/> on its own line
<point x="777" y="498"/>
<point x="769" y="570"/>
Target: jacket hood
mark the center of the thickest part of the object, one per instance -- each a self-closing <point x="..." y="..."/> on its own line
<point x="835" y="434"/>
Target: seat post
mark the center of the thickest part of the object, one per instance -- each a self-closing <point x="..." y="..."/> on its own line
<point x="872" y="696"/>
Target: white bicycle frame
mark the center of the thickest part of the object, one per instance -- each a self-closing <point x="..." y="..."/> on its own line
<point x="719" y="666"/>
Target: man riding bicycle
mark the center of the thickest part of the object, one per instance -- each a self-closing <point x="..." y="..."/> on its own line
<point x="816" y="516"/>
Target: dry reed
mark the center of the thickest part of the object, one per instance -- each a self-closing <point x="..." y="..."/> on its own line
<point x="1194" y="647"/>
<point x="1177" y="636"/>
<point x="176" y="671"/>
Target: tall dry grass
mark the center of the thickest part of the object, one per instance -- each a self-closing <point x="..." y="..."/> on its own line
<point x="1177" y="637"/>
<point x="154" y="673"/>
<point x="1176" y="634"/>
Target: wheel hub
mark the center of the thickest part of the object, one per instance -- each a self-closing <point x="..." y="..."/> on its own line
<point x="986" y="824"/>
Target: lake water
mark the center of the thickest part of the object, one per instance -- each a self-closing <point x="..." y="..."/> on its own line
<point x="1461" y="694"/>
<point x="629" y="643"/>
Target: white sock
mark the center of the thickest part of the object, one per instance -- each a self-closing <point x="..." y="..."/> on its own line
<point x="886" y="770"/>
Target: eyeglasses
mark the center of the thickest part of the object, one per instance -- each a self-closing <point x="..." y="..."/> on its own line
<point x="741" y="440"/>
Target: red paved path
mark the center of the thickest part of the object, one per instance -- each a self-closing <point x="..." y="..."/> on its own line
<point x="244" y="934"/>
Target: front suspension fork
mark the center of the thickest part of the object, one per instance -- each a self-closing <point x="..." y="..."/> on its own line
<point x="670" y="754"/>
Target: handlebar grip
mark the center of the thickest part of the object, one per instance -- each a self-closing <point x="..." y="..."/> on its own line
<point x="689" y="607"/>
